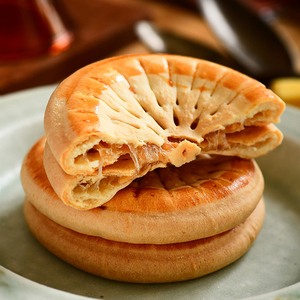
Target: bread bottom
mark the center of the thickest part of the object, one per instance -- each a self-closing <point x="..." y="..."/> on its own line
<point x="142" y="263"/>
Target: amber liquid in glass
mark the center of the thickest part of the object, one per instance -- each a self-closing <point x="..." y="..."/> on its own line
<point x="30" y="28"/>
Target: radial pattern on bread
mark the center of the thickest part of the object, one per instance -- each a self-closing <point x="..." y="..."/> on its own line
<point x="117" y="119"/>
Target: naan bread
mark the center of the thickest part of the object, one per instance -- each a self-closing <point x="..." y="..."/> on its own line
<point x="117" y="119"/>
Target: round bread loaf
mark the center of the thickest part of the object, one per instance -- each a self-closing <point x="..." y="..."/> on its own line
<point x="145" y="263"/>
<point x="117" y="119"/>
<point x="171" y="205"/>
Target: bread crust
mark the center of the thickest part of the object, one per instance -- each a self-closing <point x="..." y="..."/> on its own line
<point x="171" y="205"/>
<point x="145" y="263"/>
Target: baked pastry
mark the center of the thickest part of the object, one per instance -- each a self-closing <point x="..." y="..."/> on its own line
<point x="147" y="172"/>
<point x="163" y="239"/>
<point x="116" y="120"/>
<point x="145" y="263"/>
<point x="170" y="205"/>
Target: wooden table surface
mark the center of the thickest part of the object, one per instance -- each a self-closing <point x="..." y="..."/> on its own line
<point x="96" y="41"/>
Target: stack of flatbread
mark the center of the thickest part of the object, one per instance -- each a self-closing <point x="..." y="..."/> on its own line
<point x="146" y="172"/>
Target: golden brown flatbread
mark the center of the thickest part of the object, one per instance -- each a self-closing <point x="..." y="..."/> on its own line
<point x="170" y="205"/>
<point x="117" y="119"/>
<point x="145" y="263"/>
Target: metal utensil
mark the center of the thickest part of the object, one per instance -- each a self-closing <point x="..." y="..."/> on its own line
<point x="161" y="41"/>
<point x="248" y="39"/>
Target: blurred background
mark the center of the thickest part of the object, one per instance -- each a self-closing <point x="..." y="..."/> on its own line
<point x="44" y="41"/>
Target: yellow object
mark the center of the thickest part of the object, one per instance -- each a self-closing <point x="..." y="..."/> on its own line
<point x="288" y="89"/>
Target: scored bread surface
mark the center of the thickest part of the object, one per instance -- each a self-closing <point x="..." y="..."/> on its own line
<point x="169" y="205"/>
<point x="116" y="120"/>
<point x="145" y="263"/>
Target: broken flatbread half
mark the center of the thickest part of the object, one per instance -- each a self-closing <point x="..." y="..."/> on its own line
<point x="117" y="119"/>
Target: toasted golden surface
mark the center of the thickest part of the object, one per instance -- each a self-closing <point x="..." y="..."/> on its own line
<point x="170" y="205"/>
<point x="145" y="263"/>
<point x="141" y="112"/>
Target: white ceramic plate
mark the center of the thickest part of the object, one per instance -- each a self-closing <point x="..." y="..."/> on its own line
<point x="269" y="270"/>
